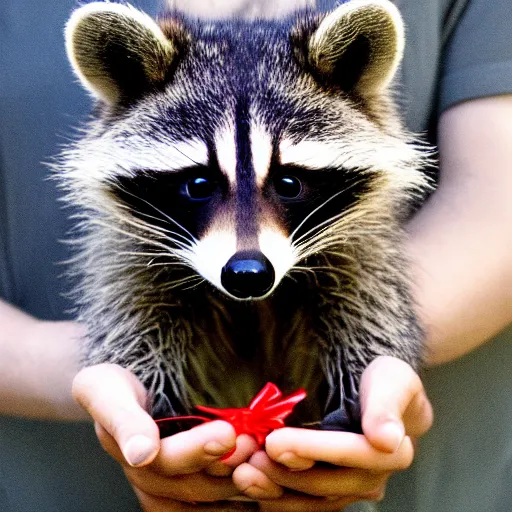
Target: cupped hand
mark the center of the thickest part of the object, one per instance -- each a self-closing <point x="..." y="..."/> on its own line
<point x="395" y="410"/>
<point x="169" y="474"/>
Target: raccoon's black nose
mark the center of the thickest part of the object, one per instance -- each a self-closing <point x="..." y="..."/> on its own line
<point x="248" y="274"/>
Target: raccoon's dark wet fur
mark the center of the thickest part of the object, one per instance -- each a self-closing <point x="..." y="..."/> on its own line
<point x="242" y="187"/>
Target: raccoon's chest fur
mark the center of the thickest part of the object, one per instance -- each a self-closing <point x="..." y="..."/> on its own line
<point x="236" y="348"/>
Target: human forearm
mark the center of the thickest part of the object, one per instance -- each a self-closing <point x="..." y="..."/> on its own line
<point x="38" y="361"/>
<point x="461" y="241"/>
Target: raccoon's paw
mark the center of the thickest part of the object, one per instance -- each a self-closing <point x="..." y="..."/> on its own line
<point x="346" y="418"/>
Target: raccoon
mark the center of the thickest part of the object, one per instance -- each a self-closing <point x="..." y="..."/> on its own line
<point x="242" y="188"/>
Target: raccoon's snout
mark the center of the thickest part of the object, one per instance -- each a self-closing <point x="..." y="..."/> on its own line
<point x="248" y="274"/>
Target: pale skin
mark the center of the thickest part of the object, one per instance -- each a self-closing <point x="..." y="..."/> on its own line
<point x="461" y="247"/>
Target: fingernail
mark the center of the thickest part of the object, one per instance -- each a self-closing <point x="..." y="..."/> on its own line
<point x="294" y="462"/>
<point x="394" y="434"/>
<point x="138" y="449"/>
<point x="216" y="448"/>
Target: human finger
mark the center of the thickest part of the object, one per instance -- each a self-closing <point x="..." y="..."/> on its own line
<point x="109" y="444"/>
<point x="254" y="483"/>
<point x="320" y="481"/>
<point x="195" y="449"/>
<point x="245" y="446"/>
<point x="195" y="487"/>
<point x="338" y="448"/>
<point x="116" y="400"/>
<point x="393" y="403"/>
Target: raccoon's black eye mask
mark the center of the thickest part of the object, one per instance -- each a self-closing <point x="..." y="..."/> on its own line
<point x="192" y="196"/>
<point x="297" y="191"/>
<point x="189" y="196"/>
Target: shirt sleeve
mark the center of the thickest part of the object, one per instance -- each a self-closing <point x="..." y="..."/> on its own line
<point x="478" y="56"/>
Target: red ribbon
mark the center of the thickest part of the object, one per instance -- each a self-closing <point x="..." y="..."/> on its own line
<point x="265" y="413"/>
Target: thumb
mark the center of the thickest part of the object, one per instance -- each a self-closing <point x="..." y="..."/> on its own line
<point x="393" y="403"/>
<point x="117" y="401"/>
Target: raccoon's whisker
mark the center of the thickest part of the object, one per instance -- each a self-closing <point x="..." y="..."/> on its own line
<point x="153" y="217"/>
<point x="311" y="246"/>
<point x="179" y="244"/>
<point x="200" y="282"/>
<point x="153" y="265"/>
<point x="303" y="269"/>
<point x="328" y="269"/>
<point x="177" y="281"/>
<point x="180" y="282"/>
<point x="317" y="248"/>
<point x="340" y="225"/>
<point x="164" y="215"/>
<point x="338" y="238"/>
<point x="161" y="233"/>
<point x="126" y="208"/>
<point x="179" y="253"/>
<point x="340" y="219"/>
<point x="312" y="213"/>
<point x="334" y="238"/>
<point x="331" y="235"/>
<point x="142" y="226"/>
<point x="165" y="234"/>
<point x="150" y="254"/>
<point x="128" y="234"/>
<point x="187" y="156"/>
<point x="320" y="207"/>
<point x="345" y="223"/>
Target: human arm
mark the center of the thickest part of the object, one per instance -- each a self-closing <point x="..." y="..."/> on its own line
<point x="38" y="361"/>
<point x="461" y="240"/>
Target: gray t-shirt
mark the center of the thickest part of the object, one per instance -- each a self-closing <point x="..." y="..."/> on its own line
<point x="454" y="52"/>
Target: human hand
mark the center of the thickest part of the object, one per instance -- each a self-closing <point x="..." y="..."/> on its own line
<point x="169" y="474"/>
<point x="395" y="410"/>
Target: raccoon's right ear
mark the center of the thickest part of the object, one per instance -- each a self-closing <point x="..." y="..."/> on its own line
<point x="117" y="51"/>
<point x="358" y="46"/>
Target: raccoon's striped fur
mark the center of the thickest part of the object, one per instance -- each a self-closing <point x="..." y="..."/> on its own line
<point x="242" y="186"/>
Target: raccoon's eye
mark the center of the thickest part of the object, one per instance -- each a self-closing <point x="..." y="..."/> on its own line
<point x="288" y="186"/>
<point x="200" y="188"/>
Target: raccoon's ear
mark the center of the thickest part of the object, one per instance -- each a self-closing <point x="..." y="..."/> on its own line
<point x="117" y="51"/>
<point x="359" y="46"/>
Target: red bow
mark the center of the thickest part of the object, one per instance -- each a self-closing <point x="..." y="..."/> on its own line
<point x="265" y="413"/>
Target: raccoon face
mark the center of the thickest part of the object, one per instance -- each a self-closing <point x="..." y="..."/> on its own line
<point x="243" y="147"/>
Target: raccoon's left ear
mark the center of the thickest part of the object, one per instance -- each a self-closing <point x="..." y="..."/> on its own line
<point x="117" y="51"/>
<point x="358" y="47"/>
